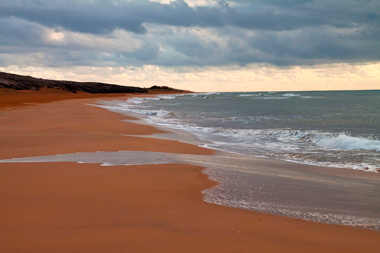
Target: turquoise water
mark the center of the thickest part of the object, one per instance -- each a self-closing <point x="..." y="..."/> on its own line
<point x="326" y="128"/>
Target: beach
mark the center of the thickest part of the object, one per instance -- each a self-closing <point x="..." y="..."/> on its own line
<point x="72" y="207"/>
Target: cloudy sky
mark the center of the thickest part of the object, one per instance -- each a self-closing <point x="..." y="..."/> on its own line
<point x="201" y="45"/>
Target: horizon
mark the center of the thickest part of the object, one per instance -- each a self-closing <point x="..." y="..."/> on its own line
<point x="147" y="87"/>
<point x="198" y="45"/>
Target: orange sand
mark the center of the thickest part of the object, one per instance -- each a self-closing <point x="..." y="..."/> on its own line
<point x="11" y="99"/>
<point x="69" y="207"/>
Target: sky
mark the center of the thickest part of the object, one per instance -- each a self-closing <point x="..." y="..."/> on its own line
<point x="198" y="45"/>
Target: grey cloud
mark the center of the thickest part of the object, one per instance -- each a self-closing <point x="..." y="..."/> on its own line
<point x="303" y="47"/>
<point x="282" y="33"/>
<point x="309" y="47"/>
<point x="15" y="32"/>
<point x="77" y="17"/>
<point x="103" y="17"/>
<point x="149" y="52"/>
<point x="193" y="46"/>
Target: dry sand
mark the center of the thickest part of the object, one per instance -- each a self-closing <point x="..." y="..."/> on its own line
<point x="69" y="207"/>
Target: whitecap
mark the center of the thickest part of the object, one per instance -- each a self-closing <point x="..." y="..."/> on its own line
<point x="291" y="95"/>
<point x="343" y="141"/>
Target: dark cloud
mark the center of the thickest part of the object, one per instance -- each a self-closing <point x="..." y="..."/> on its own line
<point x="18" y="33"/>
<point x="279" y="32"/>
<point x="77" y="16"/>
<point x="149" y="52"/>
<point x="103" y="17"/>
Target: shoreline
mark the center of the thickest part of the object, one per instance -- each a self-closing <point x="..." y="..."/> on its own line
<point x="64" y="207"/>
<point x="303" y="191"/>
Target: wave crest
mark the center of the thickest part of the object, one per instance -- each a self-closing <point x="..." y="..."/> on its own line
<point x="343" y="141"/>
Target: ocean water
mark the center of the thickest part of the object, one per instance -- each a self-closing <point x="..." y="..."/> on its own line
<point x="325" y="128"/>
<point x="263" y="139"/>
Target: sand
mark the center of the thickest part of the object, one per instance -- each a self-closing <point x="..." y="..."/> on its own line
<point x="11" y="99"/>
<point x="69" y="207"/>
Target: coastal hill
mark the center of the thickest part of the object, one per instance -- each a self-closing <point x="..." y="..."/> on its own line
<point x="19" y="82"/>
<point x="17" y="90"/>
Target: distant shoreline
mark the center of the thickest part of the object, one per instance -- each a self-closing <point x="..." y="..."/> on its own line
<point x="20" y="82"/>
<point x="18" y="90"/>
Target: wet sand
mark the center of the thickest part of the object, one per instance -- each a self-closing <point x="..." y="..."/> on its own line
<point x="70" y="207"/>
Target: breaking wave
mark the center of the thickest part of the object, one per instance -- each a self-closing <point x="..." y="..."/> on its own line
<point x="302" y="146"/>
<point x="340" y="141"/>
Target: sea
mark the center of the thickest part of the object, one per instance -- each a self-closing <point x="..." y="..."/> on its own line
<point x="265" y="140"/>
<point x="326" y="128"/>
